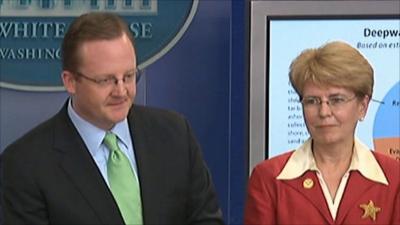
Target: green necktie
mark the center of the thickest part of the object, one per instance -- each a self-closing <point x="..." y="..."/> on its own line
<point x="123" y="183"/>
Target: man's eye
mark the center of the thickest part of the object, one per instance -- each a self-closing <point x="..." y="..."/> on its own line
<point x="129" y="77"/>
<point x="106" y="81"/>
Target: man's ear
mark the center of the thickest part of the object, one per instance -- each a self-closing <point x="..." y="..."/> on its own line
<point x="69" y="81"/>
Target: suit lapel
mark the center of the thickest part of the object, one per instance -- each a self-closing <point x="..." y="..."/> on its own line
<point x="356" y="187"/>
<point x="81" y="169"/>
<point x="314" y="194"/>
<point x="142" y="139"/>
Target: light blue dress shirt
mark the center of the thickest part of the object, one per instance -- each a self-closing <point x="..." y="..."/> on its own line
<point x="93" y="138"/>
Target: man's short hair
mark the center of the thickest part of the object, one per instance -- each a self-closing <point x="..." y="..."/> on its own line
<point x="90" y="27"/>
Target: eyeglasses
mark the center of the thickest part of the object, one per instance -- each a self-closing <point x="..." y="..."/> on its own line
<point x="113" y="81"/>
<point x="334" y="102"/>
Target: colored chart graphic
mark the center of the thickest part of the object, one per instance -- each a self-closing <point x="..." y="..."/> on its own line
<point x="386" y="131"/>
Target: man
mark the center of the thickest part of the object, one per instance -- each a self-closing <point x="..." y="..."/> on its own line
<point x="102" y="160"/>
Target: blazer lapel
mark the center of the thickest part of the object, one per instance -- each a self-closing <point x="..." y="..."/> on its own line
<point x="356" y="187"/>
<point x="150" y="190"/>
<point x="313" y="193"/>
<point x="80" y="167"/>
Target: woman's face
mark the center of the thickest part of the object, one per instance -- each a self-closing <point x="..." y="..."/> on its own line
<point x="331" y="113"/>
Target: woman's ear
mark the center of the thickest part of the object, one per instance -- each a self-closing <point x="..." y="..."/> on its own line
<point x="364" y="103"/>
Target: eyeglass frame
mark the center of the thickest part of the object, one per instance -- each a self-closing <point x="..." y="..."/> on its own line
<point x="332" y="102"/>
<point x="104" y="82"/>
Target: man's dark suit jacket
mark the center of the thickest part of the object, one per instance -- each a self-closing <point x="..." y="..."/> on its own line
<point x="49" y="177"/>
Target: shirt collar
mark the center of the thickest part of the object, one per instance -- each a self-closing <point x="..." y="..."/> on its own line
<point x="121" y="129"/>
<point x="92" y="135"/>
<point x="362" y="160"/>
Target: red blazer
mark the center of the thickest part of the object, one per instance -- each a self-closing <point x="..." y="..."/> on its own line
<point x="272" y="201"/>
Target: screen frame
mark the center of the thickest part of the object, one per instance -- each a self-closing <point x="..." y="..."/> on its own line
<point x="260" y="13"/>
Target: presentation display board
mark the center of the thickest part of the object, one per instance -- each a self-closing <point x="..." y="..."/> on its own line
<point x="279" y="34"/>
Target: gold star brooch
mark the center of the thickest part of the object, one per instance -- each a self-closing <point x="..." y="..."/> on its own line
<point x="370" y="210"/>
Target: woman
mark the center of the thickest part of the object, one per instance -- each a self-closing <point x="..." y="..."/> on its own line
<point x="333" y="178"/>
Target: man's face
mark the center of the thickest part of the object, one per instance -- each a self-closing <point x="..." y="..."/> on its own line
<point x="103" y="105"/>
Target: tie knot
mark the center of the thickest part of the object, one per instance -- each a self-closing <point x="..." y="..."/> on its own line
<point x="110" y="140"/>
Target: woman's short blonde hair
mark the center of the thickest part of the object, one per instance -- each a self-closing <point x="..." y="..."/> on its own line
<point x="333" y="64"/>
